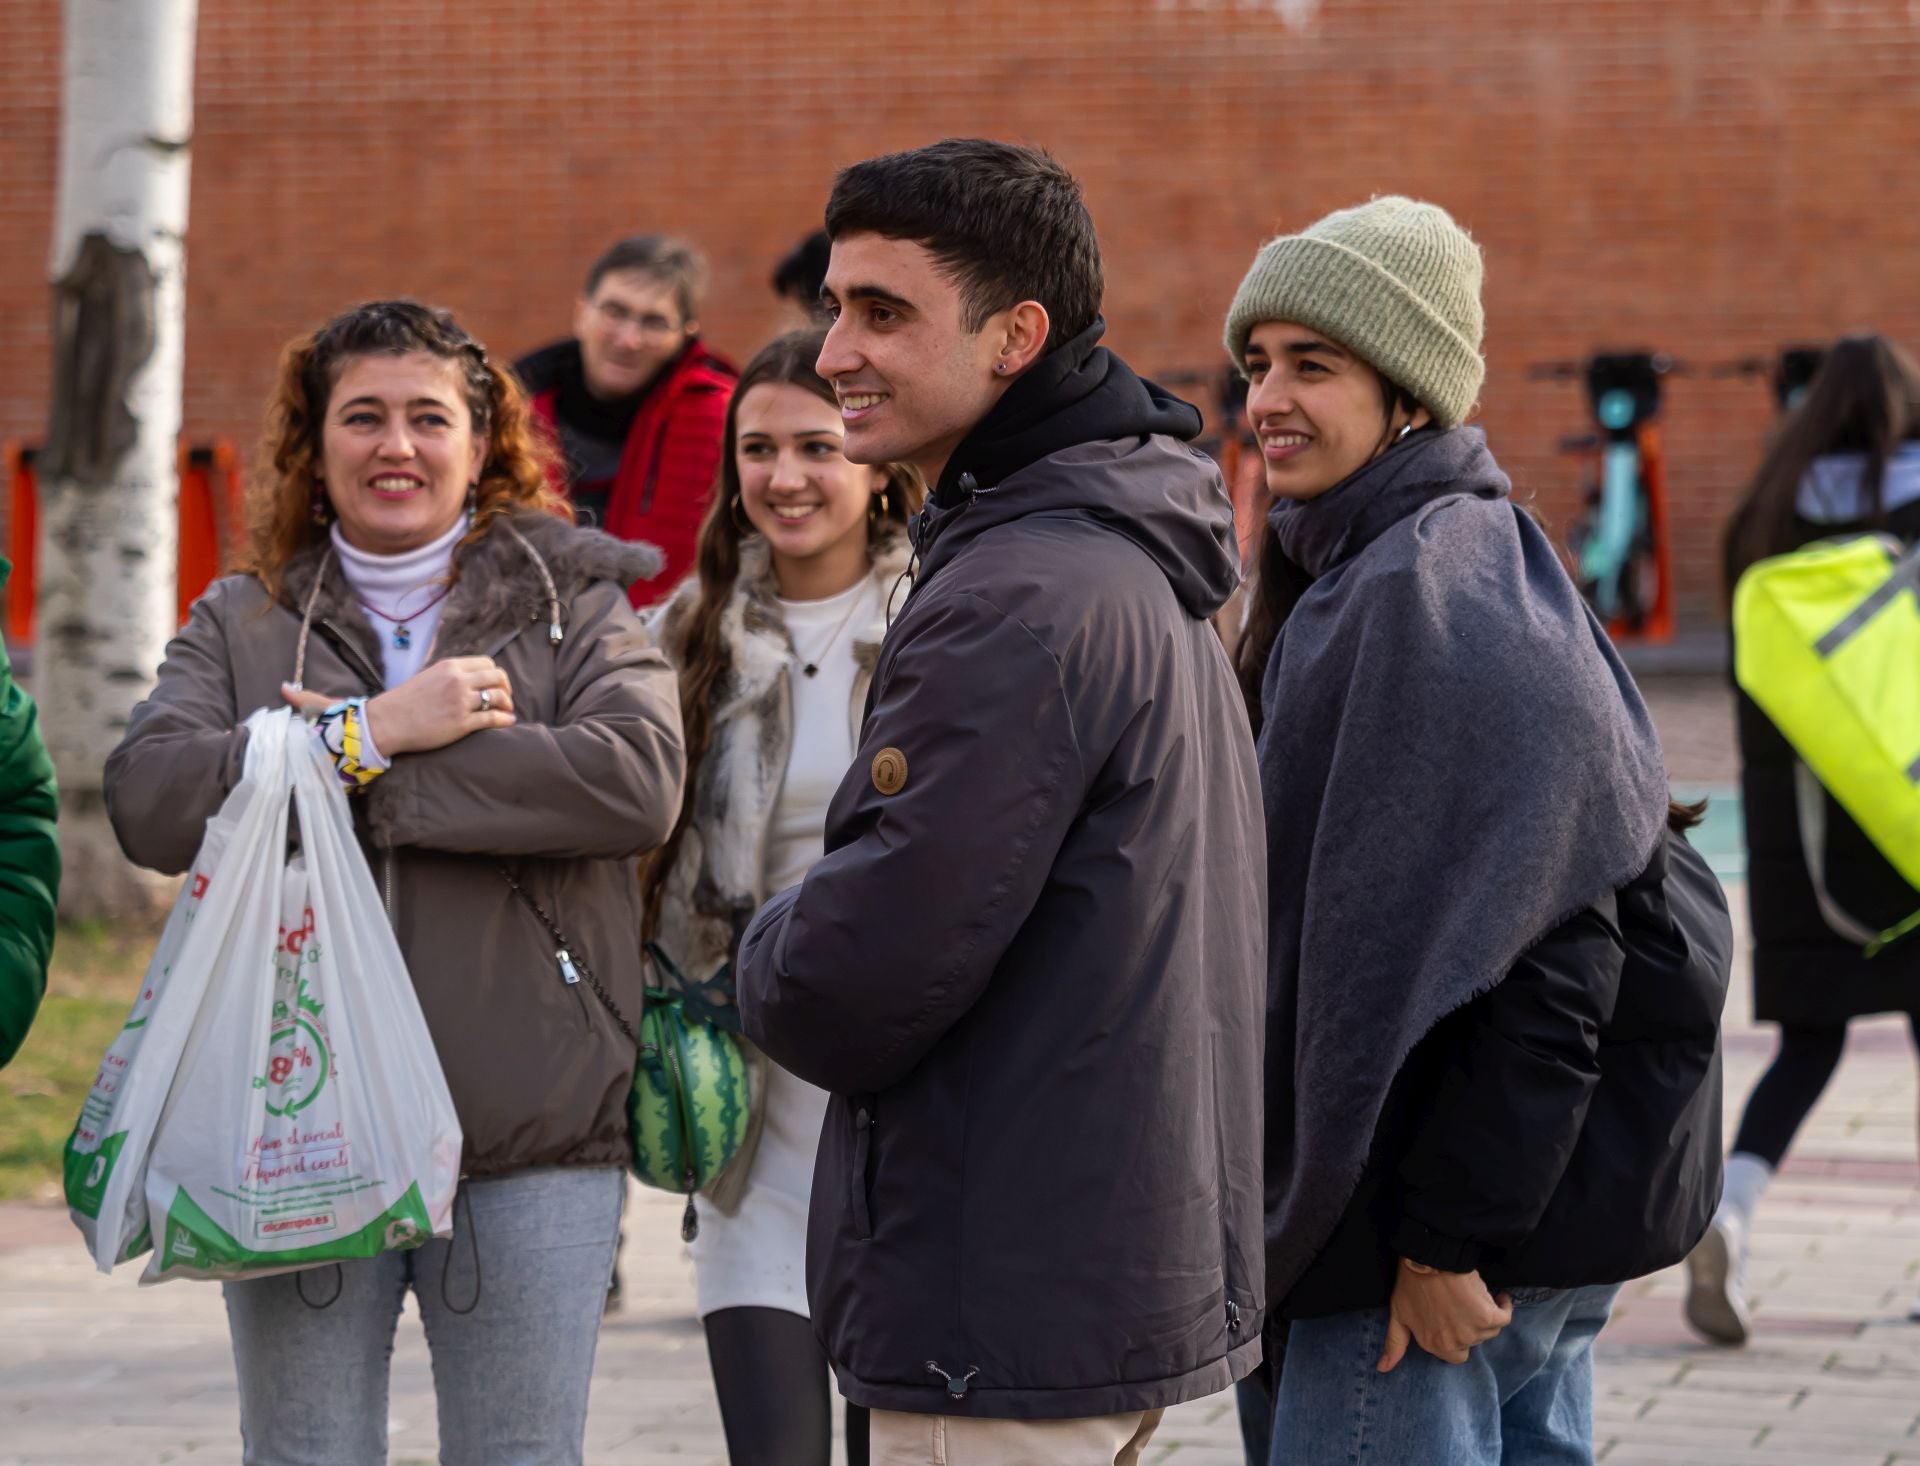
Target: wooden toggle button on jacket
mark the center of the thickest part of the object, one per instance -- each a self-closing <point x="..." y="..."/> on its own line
<point x="889" y="771"/>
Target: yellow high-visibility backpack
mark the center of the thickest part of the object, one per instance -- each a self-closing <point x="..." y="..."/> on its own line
<point x="1827" y="642"/>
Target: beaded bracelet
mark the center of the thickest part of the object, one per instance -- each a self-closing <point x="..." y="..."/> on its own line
<point x="342" y="734"/>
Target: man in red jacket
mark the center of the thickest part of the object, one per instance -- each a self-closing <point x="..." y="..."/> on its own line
<point x="636" y="403"/>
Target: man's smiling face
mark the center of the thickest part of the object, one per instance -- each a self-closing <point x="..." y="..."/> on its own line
<point x="911" y="378"/>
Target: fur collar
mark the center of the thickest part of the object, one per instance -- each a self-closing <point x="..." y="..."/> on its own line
<point x="756" y="634"/>
<point x="500" y="590"/>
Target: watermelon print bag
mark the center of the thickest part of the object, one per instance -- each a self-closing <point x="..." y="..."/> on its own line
<point x="688" y="1106"/>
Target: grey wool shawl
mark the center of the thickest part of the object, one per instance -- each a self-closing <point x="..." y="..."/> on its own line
<point x="1454" y="761"/>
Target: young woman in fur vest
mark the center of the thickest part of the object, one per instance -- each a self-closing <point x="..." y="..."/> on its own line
<point x="511" y="739"/>
<point x="775" y="638"/>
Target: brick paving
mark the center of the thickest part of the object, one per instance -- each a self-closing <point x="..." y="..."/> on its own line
<point x="94" y="1369"/>
<point x="1695" y="716"/>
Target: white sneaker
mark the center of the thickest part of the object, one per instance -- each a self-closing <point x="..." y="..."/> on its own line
<point x="1717" y="1284"/>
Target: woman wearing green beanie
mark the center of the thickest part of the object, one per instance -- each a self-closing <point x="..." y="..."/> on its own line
<point x="1492" y="1042"/>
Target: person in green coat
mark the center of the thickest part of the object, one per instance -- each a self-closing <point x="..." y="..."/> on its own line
<point x="29" y="858"/>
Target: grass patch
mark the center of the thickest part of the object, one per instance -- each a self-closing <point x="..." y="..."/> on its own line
<point x="95" y="970"/>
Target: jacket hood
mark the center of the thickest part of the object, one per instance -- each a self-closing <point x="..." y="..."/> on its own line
<point x="1081" y="393"/>
<point x="1834" y="489"/>
<point x="524" y="569"/>
<point x="1084" y="436"/>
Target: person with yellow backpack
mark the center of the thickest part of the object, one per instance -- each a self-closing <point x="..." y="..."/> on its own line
<point x="1822" y="552"/>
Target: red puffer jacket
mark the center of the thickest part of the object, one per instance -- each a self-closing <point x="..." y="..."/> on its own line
<point x="667" y="473"/>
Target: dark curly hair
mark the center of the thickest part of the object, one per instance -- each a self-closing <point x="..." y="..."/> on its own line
<point x="517" y="472"/>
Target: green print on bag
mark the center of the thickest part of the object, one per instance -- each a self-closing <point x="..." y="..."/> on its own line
<point x="688" y="1105"/>
<point x="193" y="1245"/>
<point x="299" y="1060"/>
<point x="87" y="1173"/>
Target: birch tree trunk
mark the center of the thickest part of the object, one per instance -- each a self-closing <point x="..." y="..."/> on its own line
<point x="108" y="476"/>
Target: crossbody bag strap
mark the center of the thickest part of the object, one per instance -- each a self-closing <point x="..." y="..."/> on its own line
<point x="569" y="957"/>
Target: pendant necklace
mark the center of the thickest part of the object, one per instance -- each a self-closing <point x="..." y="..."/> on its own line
<point x="811" y="666"/>
<point x="402" y="631"/>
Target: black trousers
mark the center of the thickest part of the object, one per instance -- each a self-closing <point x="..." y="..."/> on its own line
<point x="1790" y="1088"/>
<point x="776" y="1391"/>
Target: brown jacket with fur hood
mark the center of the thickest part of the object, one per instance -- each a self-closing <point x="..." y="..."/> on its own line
<point x="719" y="874"/>
<point x="588" y="778"/>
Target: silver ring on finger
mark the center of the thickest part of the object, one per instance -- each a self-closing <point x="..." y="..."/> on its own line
<point x="486" y="700"/>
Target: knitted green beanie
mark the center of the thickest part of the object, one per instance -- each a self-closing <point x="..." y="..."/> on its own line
<point x="1395" y="281"/>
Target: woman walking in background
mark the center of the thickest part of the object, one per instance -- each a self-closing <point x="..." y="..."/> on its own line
<point x="1845" y="461"/>
<point x="512" y="740"/>
<point x="775" y="638"/>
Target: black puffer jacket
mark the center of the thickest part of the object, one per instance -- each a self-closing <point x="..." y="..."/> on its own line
<point x="1029" y="968"/>
<point x="1563" y="1129"/>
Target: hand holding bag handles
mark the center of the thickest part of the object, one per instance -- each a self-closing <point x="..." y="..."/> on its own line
<point x="288" y="1108"/>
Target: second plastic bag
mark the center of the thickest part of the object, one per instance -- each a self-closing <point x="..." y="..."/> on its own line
<point x="309" y="1121"/>
<point x="105" y="1160"/>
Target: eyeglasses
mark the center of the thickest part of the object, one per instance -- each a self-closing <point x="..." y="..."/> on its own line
<point x="647" y="323"/>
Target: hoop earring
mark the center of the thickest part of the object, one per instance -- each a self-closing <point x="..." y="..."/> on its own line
<point x="737" y="511"/>
<point x="879" y="506"/>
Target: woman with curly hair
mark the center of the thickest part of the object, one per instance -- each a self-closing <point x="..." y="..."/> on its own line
<point x="512" y="740"/>
<point x="775" y="638"/>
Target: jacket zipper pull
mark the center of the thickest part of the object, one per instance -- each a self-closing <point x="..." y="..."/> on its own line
<point x="569" y="974"/>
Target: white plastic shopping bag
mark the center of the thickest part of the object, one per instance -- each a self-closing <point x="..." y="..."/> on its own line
<point x="105" y="1161"/>
<point x="309" y="1121"/>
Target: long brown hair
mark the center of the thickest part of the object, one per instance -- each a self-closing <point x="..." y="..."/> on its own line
<point x="1278" y="584"/>
<point x="699" y="648"/>
<point x="284" y="490"/>
<point x="1865" y="399"/>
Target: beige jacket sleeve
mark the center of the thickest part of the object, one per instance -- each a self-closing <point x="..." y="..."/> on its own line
<point x="603" y="780"/>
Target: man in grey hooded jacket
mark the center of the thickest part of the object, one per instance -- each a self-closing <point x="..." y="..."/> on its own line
<point x="1030" y="968"/>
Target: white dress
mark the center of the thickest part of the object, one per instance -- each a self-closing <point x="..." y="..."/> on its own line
<point x="756" y="1258"/>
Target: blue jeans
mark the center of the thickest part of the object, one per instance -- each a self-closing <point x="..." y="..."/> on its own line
<point x="511" y="1305"/>
<point x="1525" y="1398"/>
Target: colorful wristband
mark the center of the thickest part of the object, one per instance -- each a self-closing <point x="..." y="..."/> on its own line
<point x="342" y="732"/>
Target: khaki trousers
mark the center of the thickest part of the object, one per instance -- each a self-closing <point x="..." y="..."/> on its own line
<point x="957" y="1440"/>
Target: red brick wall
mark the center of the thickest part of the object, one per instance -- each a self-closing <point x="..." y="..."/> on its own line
<point x="1708" y="177"/>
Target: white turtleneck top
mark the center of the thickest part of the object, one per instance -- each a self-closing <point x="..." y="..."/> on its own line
<point x="407" y="590"/>
<point x="396" y="591"/>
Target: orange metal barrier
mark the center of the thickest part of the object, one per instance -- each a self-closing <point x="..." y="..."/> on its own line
<point x="211" y="523"/>
<point x="23" y="537"/>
